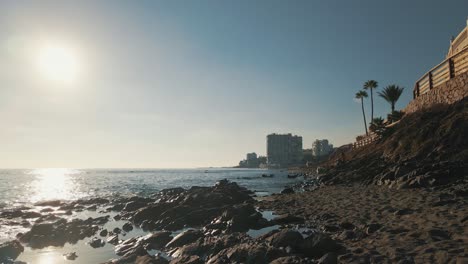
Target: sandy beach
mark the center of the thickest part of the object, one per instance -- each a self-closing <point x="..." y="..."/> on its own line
<point x="378" y="224"/>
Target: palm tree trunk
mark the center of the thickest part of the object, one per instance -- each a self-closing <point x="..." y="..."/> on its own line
<point x="372" y="104"/>
<point x="393" y="107"/>
<point x="364" y="115"/>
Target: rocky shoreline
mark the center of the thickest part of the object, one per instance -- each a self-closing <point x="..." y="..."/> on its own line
<point x="196" y="225"/>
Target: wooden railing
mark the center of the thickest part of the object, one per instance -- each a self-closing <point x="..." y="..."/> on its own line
<point x="446" y="70"/>
<point x="365" y="140"/>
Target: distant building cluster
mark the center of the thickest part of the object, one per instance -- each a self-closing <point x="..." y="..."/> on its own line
<point x="253" y="161"/>
<point x="284" y="150"/>
<point x="321" y="148"/>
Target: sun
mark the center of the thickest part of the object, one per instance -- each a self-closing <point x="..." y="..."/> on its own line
<point x="58" y="63"/>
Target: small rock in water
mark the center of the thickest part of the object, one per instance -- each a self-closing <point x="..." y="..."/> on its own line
<point x="97" y="242"/>
<point x="117" y="230"/>
<point x="10" y="250"/>
<point x="103" y="233"/>
<point x="114" y="240"/>
<point x="127" y="227"/>
<point x="70" y="256"/>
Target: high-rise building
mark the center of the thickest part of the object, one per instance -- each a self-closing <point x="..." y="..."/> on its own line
<point x="283" y="150"/>
<point x="321" y="148"/>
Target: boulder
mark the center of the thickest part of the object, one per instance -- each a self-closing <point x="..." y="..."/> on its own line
<point x="318" y="244"/>
<point x="185" y="238"/>
<point x="127" y="227"/>
<point x="285" y="238"/>
<point x="10" y="250"/>
<point x="157" y="240"/>
<point x="96" y="242"/>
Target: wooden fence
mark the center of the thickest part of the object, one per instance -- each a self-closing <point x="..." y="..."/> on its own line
<point x="365" y="140"/>
<point x="446" y="70"/>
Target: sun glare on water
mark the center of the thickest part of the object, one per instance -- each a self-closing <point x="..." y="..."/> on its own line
<point x="53" y="183"/>
<point x="58" y="63"/>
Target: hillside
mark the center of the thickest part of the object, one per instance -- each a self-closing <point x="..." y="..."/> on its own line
<point x="425" y="148"/>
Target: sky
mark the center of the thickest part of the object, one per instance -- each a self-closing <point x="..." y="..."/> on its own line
<point x="180" y="84"/>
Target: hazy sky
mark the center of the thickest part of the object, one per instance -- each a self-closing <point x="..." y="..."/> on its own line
<point x="201" y="83"/>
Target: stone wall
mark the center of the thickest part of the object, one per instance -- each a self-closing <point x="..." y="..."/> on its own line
<point x="448" y="93"/>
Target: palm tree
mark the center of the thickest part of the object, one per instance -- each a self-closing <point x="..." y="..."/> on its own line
<point x="361" y="95"/>
<point x="371" y="85"/>
<point x="391" y="94"/>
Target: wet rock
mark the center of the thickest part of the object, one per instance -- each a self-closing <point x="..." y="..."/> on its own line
<point x="288" y="219"/>
<point x="195" y="207"/>
<point x="47" y="210"/>
<point x="52" y="203"/>
<point x="103" y="233"/>
<point x="290" y="260"/>
<point x="10" y="250"/>
<point x="134" y="205"/>
<point x="329" y="258"/>
<point x="184" y="238"/>
<point x="247" y="253"/>
<point x="30" y="214"/>
<point x="117" y="230"/>
<point x="147" y="259"/>
<point x="127" y="227"/>
<point x="287" y="191"/>
<point x="157" y="240"/>
<point x="113" y="240"/>
<point x="92" y="207"/>
<point x="96" y="242"/>
<point x="70" y="256"/>
<point x="285" y="238"/>
<point x="187" y="260"/>
<point x="58" y="232"/>
<point x="318" y="244"/>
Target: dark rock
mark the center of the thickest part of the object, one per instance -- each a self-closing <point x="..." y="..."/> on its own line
<point x="347" y="235"/>
<point x="287" y="191"/>
<point x="117" y="230"/>
<point x="329" y="258"/>
<point x="403" y="212"/>
<point x="318" y="244"/>
<point x="103" y="233"/>
<point x="290" y="260"/>
<point x="247" y="253"/>
<point x="288" y="219"/>
<point x="372" y="228"/>
<point x="127" y="227"/>
<point x="285" y="238"/>
<point x="438" y="234"/>
<point x="96" y="242"/>
<point x="347" y="225"/>
<point x="157" y="240"/>
<point x="187" y="260"/>
<point x="134" y="205"/>
<point x="53" y="203"/>
<point x="147" y="259"/>
<point x="59" y="232"/>
<point x="47" y="210"/>
<point x="114" y="240"/>
<point x="70" y="256"/>
<point x="10" y="250"/>
<point x="184" y="238"/>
